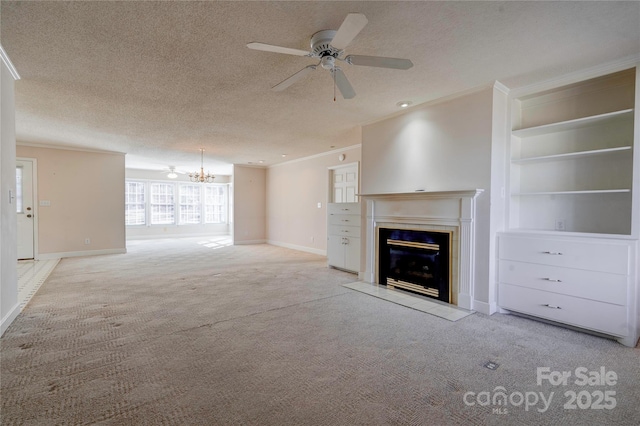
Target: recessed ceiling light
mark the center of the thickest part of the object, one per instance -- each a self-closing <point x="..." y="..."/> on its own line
<point x="404" y="104"/>
<point x="261" y="161"/>
<point x="284" y="155"/>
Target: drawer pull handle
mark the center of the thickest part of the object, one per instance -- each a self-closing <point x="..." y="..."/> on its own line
<point x="345" y="220"/>
<point x="553" y="253"/>
<point x="553" y="280"/>
<point x="552" y="306"/>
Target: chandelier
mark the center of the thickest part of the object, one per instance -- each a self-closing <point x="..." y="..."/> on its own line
<point x="201" y="176"/>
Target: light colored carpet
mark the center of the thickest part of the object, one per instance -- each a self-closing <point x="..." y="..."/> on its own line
<point x="176" y="332"/>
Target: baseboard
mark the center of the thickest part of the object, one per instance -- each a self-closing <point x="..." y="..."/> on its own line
<point x="248" y="242"/>
<point x="169" y="236"/>
<point x="8" y="319"/>
<point x="63" y="254"/>
<point x="484" y="307"/>
<point x="296" y="247"/>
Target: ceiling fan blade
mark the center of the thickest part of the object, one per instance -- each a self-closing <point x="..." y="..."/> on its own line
<point x="350" y="28"/>
<point x="297" y="76"/>
<point x="343" y="84"/>
<point x="277" y="49"/>
<point x="379" y="61"/>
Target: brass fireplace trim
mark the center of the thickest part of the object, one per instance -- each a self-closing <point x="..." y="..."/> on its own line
<point x="413" y="287"/>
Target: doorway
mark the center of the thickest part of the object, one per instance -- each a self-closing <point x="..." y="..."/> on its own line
<point x="25" y="208"/>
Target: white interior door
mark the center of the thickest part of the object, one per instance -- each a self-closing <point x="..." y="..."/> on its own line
<point x="24" y="208"/>
<point x="345" y="184"/>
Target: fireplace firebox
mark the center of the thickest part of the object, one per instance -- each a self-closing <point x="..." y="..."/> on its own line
<point x="417" y="261"/>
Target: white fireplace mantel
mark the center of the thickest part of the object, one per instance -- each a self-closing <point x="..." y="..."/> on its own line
<point x="427" y="209"/>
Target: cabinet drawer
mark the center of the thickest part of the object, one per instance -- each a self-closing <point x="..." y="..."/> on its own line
<point x="600" y="286"/>
<point x="588" y="255"/>
<point x="344" y="208"/>
<point x="597" y="316"/>
<point x="344" y="231"/>
<point x="344" y="219"/>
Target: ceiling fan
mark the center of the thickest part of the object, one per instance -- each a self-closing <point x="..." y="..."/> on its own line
<point x="328" y="46"/>
<point x="172" y="173"/>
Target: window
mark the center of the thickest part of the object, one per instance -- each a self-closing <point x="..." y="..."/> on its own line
<point x="190" y="204"/>
<point x="135" y="206"/>
<point x="162" y="204"/>
<point x="215" y="204"/>
<point x="172" y="203"/>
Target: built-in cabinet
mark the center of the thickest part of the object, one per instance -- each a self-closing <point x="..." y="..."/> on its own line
<point x="343" y="233"/>
<point x="570" y="254"/>
<point x="581" y="282"/>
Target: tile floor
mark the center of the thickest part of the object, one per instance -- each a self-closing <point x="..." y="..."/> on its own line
<point x="410" y="300"/>
<point x="31" y="275"/>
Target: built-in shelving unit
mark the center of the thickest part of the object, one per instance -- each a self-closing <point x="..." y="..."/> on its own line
<point x="626" y="114"/>
<point x="572" y="155"/>
<point x="572" y="152"/>
<point x="570" y="254"/>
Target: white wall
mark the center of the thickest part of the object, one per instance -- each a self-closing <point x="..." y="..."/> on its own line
<point x="441" y="146"/>
<point x="168" y="231"/>
<point x="294" y="190"/>
<point x="249" y="205"/>
<point x="9" y="306"/>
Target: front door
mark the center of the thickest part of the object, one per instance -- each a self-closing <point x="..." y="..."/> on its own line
<point x="24" y="208"/>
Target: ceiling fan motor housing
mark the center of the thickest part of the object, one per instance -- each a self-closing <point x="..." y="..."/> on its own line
<point x="321" y="44"/>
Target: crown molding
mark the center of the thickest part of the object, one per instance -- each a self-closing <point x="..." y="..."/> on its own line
<point x="322" y="154"/>
<point x="577" y="76"/>
<point x="9" y="64"/>
<point x="436" y="101"/>
<point x="501" y="87"/>
<point x="67" y="148"/>
<point x="250" y="166"/>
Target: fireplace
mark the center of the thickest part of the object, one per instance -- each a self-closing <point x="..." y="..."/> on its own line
<point x="417" y="261"/>
<point x="448" y="213"/>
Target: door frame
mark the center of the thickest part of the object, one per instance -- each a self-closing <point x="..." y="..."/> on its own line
<point x="330" y="179"/>
<point x="36" y="212"/>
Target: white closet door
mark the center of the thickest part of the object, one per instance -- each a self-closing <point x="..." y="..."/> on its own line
<point x="345" y="184"/>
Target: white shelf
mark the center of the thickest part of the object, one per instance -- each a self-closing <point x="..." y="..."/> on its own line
<point x="573" y="124"/>
<point x="594" y="191"/>
<point x="571" y="155"/>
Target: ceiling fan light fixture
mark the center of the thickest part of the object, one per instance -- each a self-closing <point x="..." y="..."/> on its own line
<point x="172" y="173"/>
<point x="328" y="46"/>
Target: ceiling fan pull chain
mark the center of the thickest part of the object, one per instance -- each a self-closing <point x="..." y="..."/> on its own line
<point x="334" y="84"/>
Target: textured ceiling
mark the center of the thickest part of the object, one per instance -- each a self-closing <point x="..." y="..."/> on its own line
<point x="159" y="80"/>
